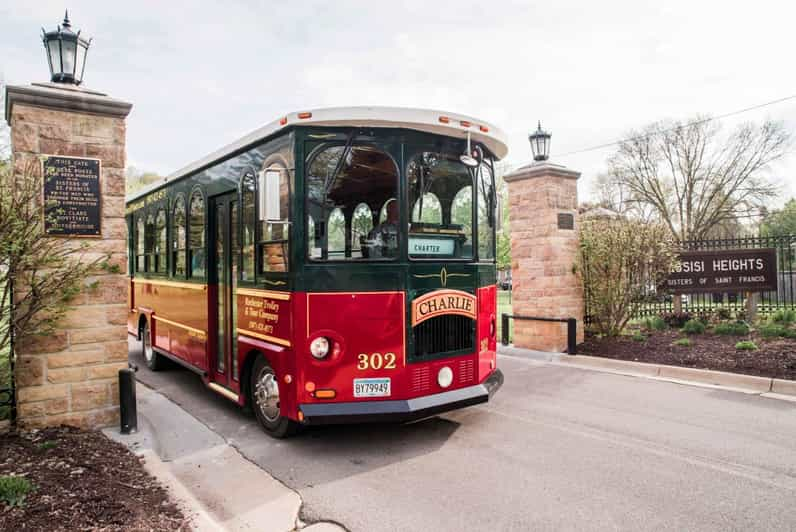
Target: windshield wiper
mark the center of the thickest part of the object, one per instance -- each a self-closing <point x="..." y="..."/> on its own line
<point x="327" y="185"/>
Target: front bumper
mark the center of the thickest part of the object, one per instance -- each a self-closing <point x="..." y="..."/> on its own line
<point x="401" y="410"/>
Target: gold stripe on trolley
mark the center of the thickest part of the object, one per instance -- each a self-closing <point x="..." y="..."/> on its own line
<point x="284" y="296"/>
<point x="265" y="337"/>
<point x="190" y="286"/>
<point x="180" y="325"/>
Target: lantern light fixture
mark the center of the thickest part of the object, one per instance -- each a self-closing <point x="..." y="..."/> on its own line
<point x="540" y="143"/>
<point x="66" y="53"/>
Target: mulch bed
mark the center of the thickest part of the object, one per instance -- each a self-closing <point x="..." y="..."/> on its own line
<point x="84" y="481"/>
<point x="774" y="358"/>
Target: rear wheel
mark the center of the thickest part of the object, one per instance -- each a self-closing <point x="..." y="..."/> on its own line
<point x="264" y="399"/>
<point x="153" y="360"/>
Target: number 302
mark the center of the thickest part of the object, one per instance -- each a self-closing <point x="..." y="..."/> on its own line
<point x="376" y="361"/>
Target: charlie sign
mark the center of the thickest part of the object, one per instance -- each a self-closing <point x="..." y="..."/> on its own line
<point x="443" y="302"/>
<point x="732" y="270"/>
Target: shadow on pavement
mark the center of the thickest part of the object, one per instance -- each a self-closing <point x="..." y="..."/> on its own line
<point x="313" y="456"/>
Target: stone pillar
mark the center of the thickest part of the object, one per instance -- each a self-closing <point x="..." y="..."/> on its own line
<point x="543" y="211"/>
<point x="70" y="377"/>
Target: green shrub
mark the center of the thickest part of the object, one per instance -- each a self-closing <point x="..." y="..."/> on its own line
<point x="693" y="327"/>
<point x="615" y="253"/>
<point x="784" y="317"/>
<point x="13" y="490"/>
<point x="746" y="345"/>
<point x="771" y="330"/>
<point x="683" y="342"/>
<point x="656" y="323"/>
<point x="738" y="328"/>
<point x="49" y="444"/>
<point x="638" y="337"/>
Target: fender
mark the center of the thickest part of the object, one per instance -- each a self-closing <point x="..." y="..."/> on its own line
<point x="281" y="359"/>
<point x="147" y="313"/>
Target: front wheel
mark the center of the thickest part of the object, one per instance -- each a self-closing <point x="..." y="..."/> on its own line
<point x="153" y="360"/>
<point x="264" y="398"/>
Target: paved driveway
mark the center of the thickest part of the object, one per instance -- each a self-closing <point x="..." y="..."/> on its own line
<point x="558" y="449"/>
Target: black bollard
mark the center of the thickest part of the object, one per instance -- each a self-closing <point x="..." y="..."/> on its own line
<point x="127" y="402"/>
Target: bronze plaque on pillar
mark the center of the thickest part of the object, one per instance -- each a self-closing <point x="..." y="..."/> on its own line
<point x="566" y="220"/>
<point x="72" y="196"/>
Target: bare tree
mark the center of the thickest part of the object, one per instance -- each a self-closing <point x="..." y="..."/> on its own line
<point x="611" y="193"/>
<point x="137" y="179"/>
<point x="692" y="178"/>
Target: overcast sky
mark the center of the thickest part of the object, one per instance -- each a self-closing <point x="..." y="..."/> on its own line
<point x="201" y="74"/>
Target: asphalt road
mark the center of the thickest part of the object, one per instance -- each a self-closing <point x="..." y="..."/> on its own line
<point x="557" y="449"/>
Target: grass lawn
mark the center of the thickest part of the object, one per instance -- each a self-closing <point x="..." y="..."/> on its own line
<point x="504" y="307"/>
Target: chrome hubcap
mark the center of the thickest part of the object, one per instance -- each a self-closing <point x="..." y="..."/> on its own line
<point x="266" y="395"/>
<point x="147" y="338"/>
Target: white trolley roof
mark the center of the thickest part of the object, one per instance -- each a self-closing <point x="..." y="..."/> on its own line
<point x="437" y="122"/>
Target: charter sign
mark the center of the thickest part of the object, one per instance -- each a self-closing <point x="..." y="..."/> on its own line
<point x="732" y="270"/>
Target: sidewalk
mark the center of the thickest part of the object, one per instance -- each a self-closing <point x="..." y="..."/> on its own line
<point x="737" y="382"/>
<point x="218" y="487"/>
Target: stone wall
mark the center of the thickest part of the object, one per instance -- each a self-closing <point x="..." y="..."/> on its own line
<point x="543" y="255"/>
<point x="71" y="376"/>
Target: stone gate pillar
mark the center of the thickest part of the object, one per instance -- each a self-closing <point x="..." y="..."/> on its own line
<point x="543" y="212"/>
<point x="70" y="376"/>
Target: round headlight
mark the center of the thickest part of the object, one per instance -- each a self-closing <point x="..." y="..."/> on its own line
<point x="319" y="347"/>
<point x="445" y="377"/>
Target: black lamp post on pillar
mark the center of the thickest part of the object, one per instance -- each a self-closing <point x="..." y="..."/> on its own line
<point x="66" y="53"/>
<point x="540" y="143"/>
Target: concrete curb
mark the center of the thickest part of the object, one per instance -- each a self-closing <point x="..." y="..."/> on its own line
<point x="732" y="381"/>
<point x="216" y="485"/>
<point x="200" y="520"/>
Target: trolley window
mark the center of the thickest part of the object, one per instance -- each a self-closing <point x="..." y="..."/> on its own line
<point x="441" y="207"/>
<point x="346" y="184"/>
<point x="178" y="238"/>
<point x="196" y="245"/>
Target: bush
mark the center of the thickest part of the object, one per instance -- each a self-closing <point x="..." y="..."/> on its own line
<point x="683" y="342"/>
<point x="693" y="327"/>
<point x="656" y="323"/>
<point x="13" y="490"/>
<point x="746" y="345"/>
<point x="676" y="319"/>
<point x="638" y="337"/>
<point x="621" y="262"/>
<point x="784" y="317"/>
<point x="738" y="328"/>
<point x="771" y="330"/>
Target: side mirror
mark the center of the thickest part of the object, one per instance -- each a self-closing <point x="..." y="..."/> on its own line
<point x="269" y="195"/>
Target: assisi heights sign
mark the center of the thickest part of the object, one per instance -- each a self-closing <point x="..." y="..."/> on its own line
<point x="734" y="270"/>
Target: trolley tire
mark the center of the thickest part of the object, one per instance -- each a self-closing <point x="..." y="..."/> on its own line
<point x="276" y="425"/>
<point x="154" y="361"/>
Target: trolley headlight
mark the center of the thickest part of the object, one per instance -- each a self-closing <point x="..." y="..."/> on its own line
<point x="445" y="377"/>
<point x="319" y="347"/>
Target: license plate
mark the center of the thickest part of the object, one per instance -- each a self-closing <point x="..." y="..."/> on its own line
<point x="372" y="387"/>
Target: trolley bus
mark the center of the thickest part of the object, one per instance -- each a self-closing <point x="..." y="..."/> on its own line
<point x="334" y="266"/>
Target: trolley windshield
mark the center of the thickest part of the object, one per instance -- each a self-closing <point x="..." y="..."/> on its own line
<point x="353" y="206"/>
